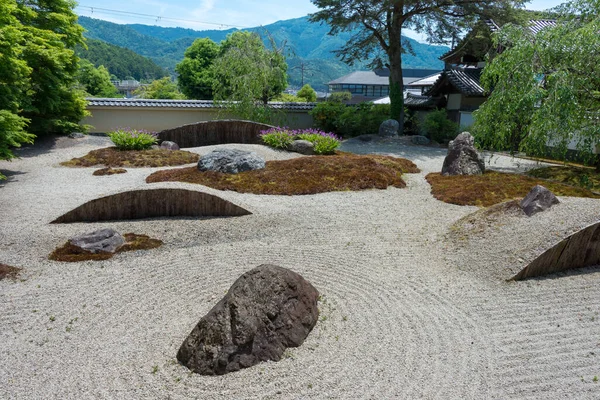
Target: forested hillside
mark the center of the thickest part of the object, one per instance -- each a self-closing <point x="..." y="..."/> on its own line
<point x="304" y="43"/>
<point x="121" y="62"/>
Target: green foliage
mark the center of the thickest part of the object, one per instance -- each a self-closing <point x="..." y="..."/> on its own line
<point x="196" y="73"/>
<point x="287" y="98"/>
<point x="95" y="81"/>
<point x="307" y="93"/>
<point x="132" y="139"/>
<point x="351" y="120"/>
<point x="544" y="90"/>
<point x="278" y="139"/>
<point x="163" y="88"/>
<point x="326" y="115"/>
<point x="340" y="97"/>
<point x="438" y="127"/>
<point x="323" y="143"/>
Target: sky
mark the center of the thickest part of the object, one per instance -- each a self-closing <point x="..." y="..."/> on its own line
<point x="213" y="14"/>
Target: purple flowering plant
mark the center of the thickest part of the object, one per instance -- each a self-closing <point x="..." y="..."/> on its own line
<point x="281" y="138"/>
<point x="133" y="139"/>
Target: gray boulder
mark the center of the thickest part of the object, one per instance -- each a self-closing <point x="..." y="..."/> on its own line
<point x="76" y="135"/>
<point x="538" y="199"/>
<point x="302" y="147"/>
<point x="266" y="310"/>
<point x="463" y="158"/>
<point x="231" y="161"/>
<point x="418" y="139"/>
<point x="106" y="240"/>
<point x="168" y="145"/>
<point x="389" y="127"/>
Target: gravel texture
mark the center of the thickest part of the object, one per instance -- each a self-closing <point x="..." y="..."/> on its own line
<point x="414" y="298"/>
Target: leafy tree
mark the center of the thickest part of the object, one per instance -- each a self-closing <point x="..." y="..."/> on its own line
<point x="14" y="82"/>
<point x="95" y="81"/>
<point x="545" y="89"/>
<point x="377" y="27"/>
<point x="196" y="75"/>
<point x="307" y="93"/>
<point x="163" y="88"/>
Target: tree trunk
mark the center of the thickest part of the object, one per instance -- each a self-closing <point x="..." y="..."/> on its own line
<point x="394" y="53"/>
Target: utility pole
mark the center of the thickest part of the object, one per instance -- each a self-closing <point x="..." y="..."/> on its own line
<point x="303" y="67"/>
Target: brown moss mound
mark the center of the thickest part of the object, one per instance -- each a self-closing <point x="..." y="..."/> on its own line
<point x="109" y="171"/>
<point x="304" y="175"/>
<point x="493" y="188"/>
<point x="6" y="271"/>
<point x="111" y="157"/>
<point x="587" y="178"/>
<point x="133" y="241"/>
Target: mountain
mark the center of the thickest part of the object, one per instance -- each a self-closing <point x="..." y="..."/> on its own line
<point x="306" y="43"/>
<point x="121" y="62"/>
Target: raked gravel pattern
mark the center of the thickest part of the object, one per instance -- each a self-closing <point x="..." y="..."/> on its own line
<point x="412" y="306"/>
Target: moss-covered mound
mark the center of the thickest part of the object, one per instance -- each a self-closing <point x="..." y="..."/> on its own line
<point x="6" y="271"/>
<point x="112" y="157"/>
<point x="109" y="171"/>
<point x="493" y="188"/>
<point x="304" y="175"/>
<point x="587" y="178"/>
<point x="70" y="253"/>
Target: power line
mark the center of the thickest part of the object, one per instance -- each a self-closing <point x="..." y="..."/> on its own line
<point x="156" y="18"/>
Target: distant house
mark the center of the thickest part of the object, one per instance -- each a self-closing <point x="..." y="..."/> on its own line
<point x="372" y="85"/>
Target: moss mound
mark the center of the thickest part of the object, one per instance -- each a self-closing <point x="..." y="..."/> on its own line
<point x="70" y="253"/>
<point x="587" y="178"/>
<point x="493" y="188"/>
<point x="112" y="157"/>
<point x="6" y="271"/>
<point x="109" y="171"/>
<point x="304" y="175"/>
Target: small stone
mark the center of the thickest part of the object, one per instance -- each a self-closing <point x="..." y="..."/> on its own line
<point x="389" y="127"/>
<point x="538" y="199"/>
<point x="302" y="146"/>
<point x="231" y="161"/>
<point x="168" y="145"/>
<point x="76" y="135"/>
<point x="418" y="139"/>
<point x="106" y="240"/>
<point x="463" y="158"/>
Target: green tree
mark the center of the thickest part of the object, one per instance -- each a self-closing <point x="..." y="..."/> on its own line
<point x="163" y="88"/>
<point x="196" y="75"/>
<point x="379" y="27"/>
<point x="95" y="81"/>
<point x="50" y="33"/>
<point x="307" y="93"/>
<point x="14" y="82"/>
<point x="545" y="89"/>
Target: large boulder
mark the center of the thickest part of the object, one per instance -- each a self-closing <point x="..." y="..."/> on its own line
<point x="389" y="127"/>
<point x="168" y="145"/>
<point x="266" y="310"/>
<point x="463" y="158"/>
<point x="231" y="161"/>
<point x="105" y="240"/>
<point x="302" y="147"/>
<point x="538" y="199"/>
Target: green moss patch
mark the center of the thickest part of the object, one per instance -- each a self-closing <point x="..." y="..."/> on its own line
<point x="70" y="253"/>
<point x="304" y="175"/>
<point x="587" y="178"/>
<point x="112" y="157"/>
<point x="109" y="171"/>
<point x="6" y="271"/>
<point x="493" y="188"/>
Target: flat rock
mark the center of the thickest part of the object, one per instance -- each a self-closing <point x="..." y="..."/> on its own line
<point x="76" y="135"/>
<point x="463" y="158"/>
<point x="106" y="240"/>
<point x="231" y="161"/>
<point x="302" y="146"/>
<point x="168" y="145"/>
<point x="538" y="199"/>
<point x="389" y="127"/>
<point x="266" y="310"/>
<point x="418" y="139"/>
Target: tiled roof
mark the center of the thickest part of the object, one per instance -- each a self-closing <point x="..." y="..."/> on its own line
<point x="380" y="77"/>
<point x="465" y="80"/>
<point x="535" y="25"/>
<point x="151" y="103"/>
<point x="418" y="101"/>
<point x="426" y="81"/>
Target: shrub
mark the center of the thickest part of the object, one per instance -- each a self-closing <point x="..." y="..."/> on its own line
<point x="278" y="138"/>
<point x="326" y="115"/>
<point x="438" y="127"/>
<point x="132" y="139"/>
<point x="362" y="119"/>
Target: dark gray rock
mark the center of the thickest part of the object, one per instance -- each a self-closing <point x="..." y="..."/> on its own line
<point x="230" y="161"/>
<point x="107" y="240"/>
<point x="418" y="139"/>
<point x="302" y="147"/>
<point x="168" y="145"/>
<point x="155" y="147"/>
<point x="389" y="127"/>
<point x="76" y="135"/>
<point x="266" y="310"/>
<point x="538" y="199"/>
<point x="463" y="158"/>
